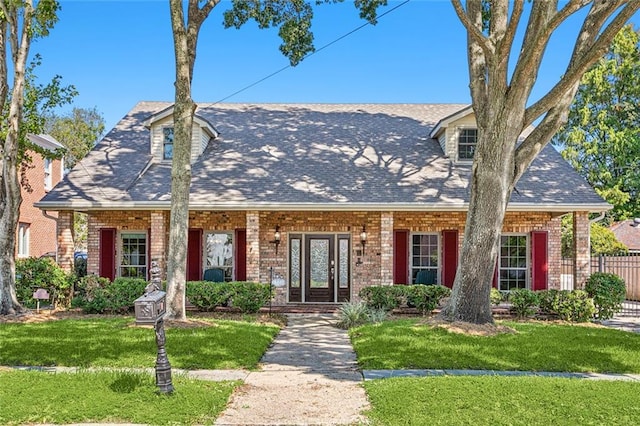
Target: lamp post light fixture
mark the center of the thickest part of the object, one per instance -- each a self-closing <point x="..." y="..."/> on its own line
<point x="363" y="238"/>
<point x="276" y="237"/>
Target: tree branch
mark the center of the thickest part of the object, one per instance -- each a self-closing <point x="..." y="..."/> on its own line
<point x="586" y="52"/>
<point x="472" y="29"/>
<point x="505" y="47"/>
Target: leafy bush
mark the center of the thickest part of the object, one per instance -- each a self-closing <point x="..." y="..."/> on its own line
<point x="524" y="302"/>
<point x="608" y="292"/>
<point x="385" y="297"/>
<point x="248" y="296"/>
<point x="377" y="315"/>
<point x="353" y="314"/>
<point x="97" y="295"/>
<point x="568" y="305"/>
<point x="33" y="273"/>
<point x="495" y="296"/>
<point x="207" y="295"/>
<point x="426" y="297"/>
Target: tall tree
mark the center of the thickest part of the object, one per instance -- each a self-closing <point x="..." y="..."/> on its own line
<point x="502" y="76"/>
<point x="602" y="137"/>
<point x="501" y="99"/>
<point x="78" y="131"/>
<point x="293" y="17"/>
<point x="20" y="23"/>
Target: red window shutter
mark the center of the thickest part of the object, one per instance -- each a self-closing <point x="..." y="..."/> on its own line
<point x="449" y="256"/>
<point x="148" y="253"/>
<point x="240" y="254"/>
<point x="539" y="260"/>
<point x="400" y="257"/>
<point x="107" y="267"/>
<point x="194" y="255"/>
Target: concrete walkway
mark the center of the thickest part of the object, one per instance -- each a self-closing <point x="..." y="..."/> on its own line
<point x="309" y="375"/>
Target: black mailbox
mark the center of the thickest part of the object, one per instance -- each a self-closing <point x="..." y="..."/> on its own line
<point x="150" y="307"/>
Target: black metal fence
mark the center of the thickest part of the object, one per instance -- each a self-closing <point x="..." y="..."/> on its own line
<point x="626" y="267"/>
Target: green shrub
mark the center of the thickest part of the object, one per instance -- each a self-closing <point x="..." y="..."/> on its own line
<point x="377" y="315"/>
<point x="249" y="297"/>
<point x="524" y="302"/>
<point x="385" y="297"/>
<point x="97" y="295"/>
<point x="608" y="292"/>
<point x="495" y="296"/>
<point x="33" y="273"/>
<point x="425" y="298"/>
<point x="575" y="305"/>
<point x="207" y="295"/>
<point x="353" y="314"/>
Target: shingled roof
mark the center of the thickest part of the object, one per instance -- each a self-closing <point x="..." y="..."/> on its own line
<point x="306" y="156"/>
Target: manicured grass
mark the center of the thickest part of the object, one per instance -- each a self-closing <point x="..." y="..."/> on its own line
<point x="492" y="400"/>
<point x="116" y="342"/>
<point x="406" y="344"/>
<point x="106" y="397"/>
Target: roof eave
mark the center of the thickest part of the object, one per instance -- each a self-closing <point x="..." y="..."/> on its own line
<point x="272" y="206"/>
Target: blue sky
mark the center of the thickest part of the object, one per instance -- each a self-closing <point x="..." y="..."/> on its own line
<point x="117" y="53"/>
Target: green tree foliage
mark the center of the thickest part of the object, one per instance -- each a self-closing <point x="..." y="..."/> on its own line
<point x="78" y="131"/>
<point x="602" y="137"/>
<point x="603" y="240"/>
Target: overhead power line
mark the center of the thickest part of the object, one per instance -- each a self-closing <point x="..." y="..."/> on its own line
<point x="286" y="67"/>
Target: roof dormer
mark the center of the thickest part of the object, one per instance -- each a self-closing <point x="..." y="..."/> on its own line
<point x="160" y="125"/>
<point x="457" y="135"/>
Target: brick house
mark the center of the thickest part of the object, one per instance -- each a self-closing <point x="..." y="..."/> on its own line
<point x="324" y="199"/>
<point x="36" y="233"/>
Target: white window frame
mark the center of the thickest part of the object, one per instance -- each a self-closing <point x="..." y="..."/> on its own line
<point x="121" y="257"/>
<point x="459" y="133"/>
<point x="229" y="270"/>
<point x="411" y="254"/>
<point x="24" y="237"/>
<point x="164" y="142"/>
<point x="48" y="174"/>
<point x="526" y="268"/>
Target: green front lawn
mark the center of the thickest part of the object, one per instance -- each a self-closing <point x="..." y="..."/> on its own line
<point x="407" y="344"/>
<point x="492" y="400"/>
<point x="107" y="397"/>
<point x="116" y="342"/>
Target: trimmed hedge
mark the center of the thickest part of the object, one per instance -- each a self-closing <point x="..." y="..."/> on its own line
<point x="386" y="298"/>
<point x="98" y="296"/>
<point x="574" y="305"/>
<point x="249" y="297"/>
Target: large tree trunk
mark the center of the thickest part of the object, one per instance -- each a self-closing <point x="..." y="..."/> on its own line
<point x="184" y="109"/>
<point x="10" y="196"/>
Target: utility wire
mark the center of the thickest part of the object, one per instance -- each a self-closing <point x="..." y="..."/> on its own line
<point x="286" y="67"/>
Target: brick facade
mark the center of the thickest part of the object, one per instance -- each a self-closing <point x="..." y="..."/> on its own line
<point x="371" y="266"/>
<point x="41" y="224"/>
<point x="581" y="247"/>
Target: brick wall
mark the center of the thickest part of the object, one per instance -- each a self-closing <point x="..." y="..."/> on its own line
<point x="373" y="267"/>
<point x="42" y="225"/>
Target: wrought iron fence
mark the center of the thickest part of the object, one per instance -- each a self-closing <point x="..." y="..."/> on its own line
<point x="626" y="267"/>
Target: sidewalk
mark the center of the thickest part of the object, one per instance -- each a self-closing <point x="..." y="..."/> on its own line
<point x="309" y="376"/>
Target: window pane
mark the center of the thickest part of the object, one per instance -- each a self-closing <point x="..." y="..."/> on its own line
<point x="319" y="256"/>
<point x="343" y="262"/>
<point x="467" y="139"/>
<point x="133" y="262"/>
<point x="424" y="257"/>
<point x="167" y="149"/>
<point x="513" y="262"/>
<point x="295" y="263"/>
<point x="219" y="252"/>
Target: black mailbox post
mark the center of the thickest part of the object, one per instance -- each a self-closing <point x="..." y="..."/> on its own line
<point x="150" y="308"/>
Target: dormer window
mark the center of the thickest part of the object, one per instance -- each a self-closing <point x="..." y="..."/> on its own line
<point x="467" y="139"/>
<point x="167" y="144"/>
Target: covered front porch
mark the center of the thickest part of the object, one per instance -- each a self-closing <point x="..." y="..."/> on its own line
<point x="322" y="257"/>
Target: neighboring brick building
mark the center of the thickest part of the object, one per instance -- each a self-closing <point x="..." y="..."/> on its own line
<point x="330" y="198"/>
<point x="36" y="234"/>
